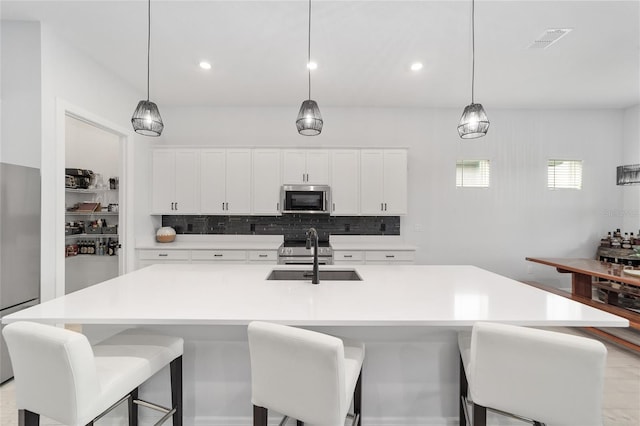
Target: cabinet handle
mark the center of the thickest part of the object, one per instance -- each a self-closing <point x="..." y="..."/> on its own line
<point x="226" y="206"/>
<point x="262" y="255"/>
<point x="347" y="255"/>
<point x="303" y="178"/>
<point x="176" y="205"/>
<point x="381" y="206"/>
<point x="334" y="207"/>
<point x="277" y="206"/>
<point x="217" y="255"/>
<point x="172" y="206"/>
<point x="385" y="207"/>
<point x="163" y="254"/>
<point x="389" y="256"/>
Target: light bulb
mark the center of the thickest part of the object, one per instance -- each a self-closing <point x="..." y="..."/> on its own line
<point x="312" y="65"/>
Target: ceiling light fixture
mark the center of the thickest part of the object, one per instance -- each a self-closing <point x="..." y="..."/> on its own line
<point x="309" y="121"/>
<point x="416" y="66"/>
<point x="146" y="118"/>
<point x="312" y="65"/>
<point x="205" y="65"/>
<point x="474" y="122"/>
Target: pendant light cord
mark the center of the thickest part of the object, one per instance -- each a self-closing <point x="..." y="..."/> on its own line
<point x="473" y="47"/>
<point x="309" y="50"/>
<point x="148" y="43"/>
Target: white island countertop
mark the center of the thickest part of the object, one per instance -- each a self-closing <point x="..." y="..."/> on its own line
<point x="411" y="295"/>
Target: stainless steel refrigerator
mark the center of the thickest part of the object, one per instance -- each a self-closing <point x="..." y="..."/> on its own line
<point x="19" y="246"/>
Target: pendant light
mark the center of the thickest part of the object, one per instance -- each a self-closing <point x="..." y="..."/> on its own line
<point x="309" y="122"/>
<point x="474" y="122"/>
<point x="146" y="118"/>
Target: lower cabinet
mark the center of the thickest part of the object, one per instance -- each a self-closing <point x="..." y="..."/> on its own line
<point x="146" y="257"/>
<point x="374" y="257"/>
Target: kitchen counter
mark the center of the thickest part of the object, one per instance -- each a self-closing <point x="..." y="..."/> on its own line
<point x="218" y="242"/>
<point x="408" y="317"/>
<point x="412" y="295"/>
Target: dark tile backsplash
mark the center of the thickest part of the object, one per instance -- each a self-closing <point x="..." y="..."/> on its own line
<point x="292" y="226"/>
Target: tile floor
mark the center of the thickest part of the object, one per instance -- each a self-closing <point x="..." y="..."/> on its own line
<point x="621" y="391"/>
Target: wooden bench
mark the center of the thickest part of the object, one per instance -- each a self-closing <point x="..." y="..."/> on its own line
<point x="632" y="316"/>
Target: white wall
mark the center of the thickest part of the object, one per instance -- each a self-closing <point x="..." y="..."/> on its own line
<point x="68" y="75"/>
<point x="20" y="90"/>
<point x="88" y="147"/>
<point x="630" y="213"/>
<point x="493" y="228"/>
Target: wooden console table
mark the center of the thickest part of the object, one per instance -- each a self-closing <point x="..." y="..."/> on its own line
<point x="582" y="282"/>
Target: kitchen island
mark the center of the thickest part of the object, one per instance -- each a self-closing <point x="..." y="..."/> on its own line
<point x="407" y="315"/>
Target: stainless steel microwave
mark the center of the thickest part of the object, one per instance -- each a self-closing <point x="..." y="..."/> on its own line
<point x="314" y="199"/>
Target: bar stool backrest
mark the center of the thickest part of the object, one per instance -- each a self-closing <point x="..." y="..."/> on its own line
<point x="54" y="369"/>
<point x="550" y="377"/>
<point x="299" y="373"/>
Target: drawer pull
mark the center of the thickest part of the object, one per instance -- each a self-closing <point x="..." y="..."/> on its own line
<point x="391" y="256"/>
<point x="163" y="254"/>
<point x="217" y="255"/>
<point x="348" y="255"/>
<point x="262" y="255"/>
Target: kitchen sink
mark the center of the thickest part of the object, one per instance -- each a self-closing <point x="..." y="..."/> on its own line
<point x="323" y="275"/>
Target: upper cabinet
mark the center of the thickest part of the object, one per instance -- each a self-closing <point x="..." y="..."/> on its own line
<point x="225" y="181"/>
<point x="383" y="181"/>
<point x="345" y="182"/>
<point x="243" y="181"/>
<point x="175" y="186"/>
<point x="305" y="166"/>
<point x="266" y="181"/>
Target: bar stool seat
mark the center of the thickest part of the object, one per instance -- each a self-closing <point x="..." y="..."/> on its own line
<point x="309" y="376"/>
<point x="539" y="376"/>
<point x="58" y="374"/>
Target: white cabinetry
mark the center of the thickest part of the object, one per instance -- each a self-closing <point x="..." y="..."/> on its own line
<point x="398" y="257"/>
<point x="383" y="181"/>
<point x="345" y="181"/>
<point x="175" y="185"/>
<point x="305" y="166"/>
<point x="148" y="257"/>
<point x="151" y="257"/>
<point x="266" y="181"/>
<point x="263" y="256"/>
<point x="225" y="181"/>
<point x="348" y="257"/>
<point x="219" y="256"/>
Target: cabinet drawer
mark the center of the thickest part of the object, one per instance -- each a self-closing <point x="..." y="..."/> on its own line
<point x="163" y="254"/>
<point x="390" y="256"/>
<point x="347" y="255"/>
<point x="218" y="255"/>
<point x="270" y="255"/>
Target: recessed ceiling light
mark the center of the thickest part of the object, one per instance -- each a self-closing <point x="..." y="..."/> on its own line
<point x="205" y="65"/>
<point x="312" y="65"/>
<point x="416" y="66"/>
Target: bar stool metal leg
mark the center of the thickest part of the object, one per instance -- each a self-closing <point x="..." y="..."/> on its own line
<point x="28" y="418"/>
<point x="479" y="415"/>
<point x="176" y="390"/>
<point x="260" y="415"/>
<point x="464" y="387"/>
<point x="133" y="408"/>
<point x="357" y="400"/>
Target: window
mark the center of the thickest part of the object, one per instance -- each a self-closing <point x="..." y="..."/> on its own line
<point x="564" y="174"/>
<point x="472" y="173"/>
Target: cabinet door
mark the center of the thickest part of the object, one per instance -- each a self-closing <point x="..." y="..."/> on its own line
<point x="187" y="194"/>
<point x="345" y="181"/>
<point x="238" y="178"/>
<point x="371" y="182"/>
<point x="294" y="167"/>
<point x="266" y="181"/>
<point x="163" y="185"/>
<point x="317" y="167"/>
<point x="212" y="181"/>
<point x="395" y="181"/>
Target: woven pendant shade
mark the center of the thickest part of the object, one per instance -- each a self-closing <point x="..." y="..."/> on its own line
<point x="474" y="122"/>
<point x="309" y="120"/>
<point x="146" y="119"/>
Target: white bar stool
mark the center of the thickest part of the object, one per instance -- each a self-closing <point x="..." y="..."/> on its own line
<point x="538" y="376"/>
<point x="309" y="376"/>
<point x="58" y="374"/>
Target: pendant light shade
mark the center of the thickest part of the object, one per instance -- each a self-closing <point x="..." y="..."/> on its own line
<point x="146" y="118"/>
<point x="309" y="121"/>
<point x="474" y="122"/>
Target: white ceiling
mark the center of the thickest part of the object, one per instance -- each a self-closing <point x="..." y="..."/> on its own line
<point x="363" y="48"/>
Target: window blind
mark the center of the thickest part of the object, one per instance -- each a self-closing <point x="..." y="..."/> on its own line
<point x="472" y="173"/>
<point x="564" y="174"/>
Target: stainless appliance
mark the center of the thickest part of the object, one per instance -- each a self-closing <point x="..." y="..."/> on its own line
<point x="19" y="246"/>
<point x="305" y="199"/>
<point x="296" y="253"/>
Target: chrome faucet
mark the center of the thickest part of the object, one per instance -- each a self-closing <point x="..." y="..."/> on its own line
<point x="313" y="234"/>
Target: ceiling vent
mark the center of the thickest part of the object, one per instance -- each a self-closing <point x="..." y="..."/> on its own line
<point x="549" y="37"/>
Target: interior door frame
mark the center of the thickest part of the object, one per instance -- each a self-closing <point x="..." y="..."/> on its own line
<point x="125" y="228"/>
